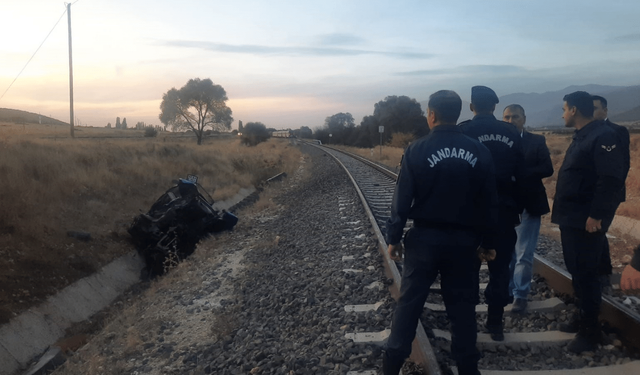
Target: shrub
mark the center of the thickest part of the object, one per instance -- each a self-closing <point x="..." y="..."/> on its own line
<point x="401" y="140"/>
<point x="150" y="132"/>
<point x="254" y="133"/>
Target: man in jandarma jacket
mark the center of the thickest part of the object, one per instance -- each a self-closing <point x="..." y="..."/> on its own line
<point x="587" y="195"/>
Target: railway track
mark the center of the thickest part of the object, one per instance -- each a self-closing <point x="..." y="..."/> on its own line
<point x="532" y="345"/>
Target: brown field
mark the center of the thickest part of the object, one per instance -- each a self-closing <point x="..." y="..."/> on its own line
<point x="97" y="183"/>
<point x="558" y="144"/>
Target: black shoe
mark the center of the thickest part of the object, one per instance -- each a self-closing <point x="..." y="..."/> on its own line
<point x="495" y="331"/>
<point x="519" y="305"/>
<point x="470" y="368"/>
<point x="586" y="340"/>
<point x="572" y="326"/>
<point x="581" y="344"/>
<point x="391" y="366"/>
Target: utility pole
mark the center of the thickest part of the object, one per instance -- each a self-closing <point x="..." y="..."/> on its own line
<point x="70" y="73"/>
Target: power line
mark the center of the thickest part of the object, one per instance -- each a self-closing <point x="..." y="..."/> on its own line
<point x="32" y="56"/>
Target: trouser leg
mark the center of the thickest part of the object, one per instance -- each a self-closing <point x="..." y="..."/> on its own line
<point x="605" y="268"/>
<point x="460" y="291"/>
<point x="522" y="261"/>
<point x="497" y="292"/>
<point x="582" y="253"/>
<point x="417" y="277"/>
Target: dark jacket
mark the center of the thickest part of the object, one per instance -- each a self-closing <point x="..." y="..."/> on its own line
<point x="623" y="136"/>
<point x="590" y="178"/>
<point x="537" y="165"/>
<point x="505" y="144"/>
<point x="446" y="183"/>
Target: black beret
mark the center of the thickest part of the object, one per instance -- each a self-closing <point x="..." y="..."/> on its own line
<point x="483" y="94"/>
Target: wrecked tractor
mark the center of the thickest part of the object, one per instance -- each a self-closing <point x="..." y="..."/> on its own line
<point x="176" y="222"/>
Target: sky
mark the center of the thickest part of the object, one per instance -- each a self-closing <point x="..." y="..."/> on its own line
<point x="289" y="64"/>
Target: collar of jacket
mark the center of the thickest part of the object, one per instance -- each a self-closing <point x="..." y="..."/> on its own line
<point x="581" y="133"/>
<point x="483" y="116"/>
<point x="447" y="128"/>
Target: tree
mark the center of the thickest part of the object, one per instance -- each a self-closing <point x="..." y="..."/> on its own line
<point x="197" y="105"/>
<point x="303" y="132"/>
<point x="240" y="127"/>
<point x="254" y="133"/>
<point x="400" y="114"/>
<point x="340" y="127"/>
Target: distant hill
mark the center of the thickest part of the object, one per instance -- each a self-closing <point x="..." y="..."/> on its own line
<point x="628" y="116"/>
<point x="23" y="117"/>
<point x="465" y="114"/>
<point x="546" y="109"/>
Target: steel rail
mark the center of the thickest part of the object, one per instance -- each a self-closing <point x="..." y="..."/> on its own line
<point x="617" y="316"/>
<point x="422" y="352"/>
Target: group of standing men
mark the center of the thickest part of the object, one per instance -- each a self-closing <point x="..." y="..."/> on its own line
<point x="474" y="192"/>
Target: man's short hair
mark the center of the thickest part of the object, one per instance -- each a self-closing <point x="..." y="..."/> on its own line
<point x="447" y="106"/>
<point x="601" y="99"/>
<point x="514" y="107"/>
<point x="582" y="100"/>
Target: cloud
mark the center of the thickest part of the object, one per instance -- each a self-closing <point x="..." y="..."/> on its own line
<point x="339" y="39"/>
<point x="625" y="38"/>
<point x="291" y="51"/>
<point x="467" y="70"/>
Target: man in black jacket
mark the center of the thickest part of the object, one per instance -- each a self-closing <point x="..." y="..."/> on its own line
<point x="505" y="144"/>
<point x="587" y="195"/>
<point x="601" y="113"/>
<point x="537" y="165"/>
<point x="447" y="186"/>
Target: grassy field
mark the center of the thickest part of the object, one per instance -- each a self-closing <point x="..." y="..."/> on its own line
<point x="97" y="183"/>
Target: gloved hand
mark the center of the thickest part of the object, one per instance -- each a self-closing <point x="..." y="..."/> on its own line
<point x="486" y="255"/>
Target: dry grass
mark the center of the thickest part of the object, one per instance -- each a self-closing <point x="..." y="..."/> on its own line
<point x="387" y="155"/>
<point x="558" y="144"/>
<point x="97" y="183"/>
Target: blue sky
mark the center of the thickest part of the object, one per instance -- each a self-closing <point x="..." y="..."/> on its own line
<point x="293" y="63"/>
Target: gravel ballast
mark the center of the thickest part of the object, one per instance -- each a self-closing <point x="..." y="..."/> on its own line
<point x="267" y="298"/>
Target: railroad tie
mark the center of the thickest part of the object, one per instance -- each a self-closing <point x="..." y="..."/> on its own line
<point x="375" y="338"/>
<point x="516" y="340"/>
<point x="548" y="305"/>
<point x="624" y="369"/>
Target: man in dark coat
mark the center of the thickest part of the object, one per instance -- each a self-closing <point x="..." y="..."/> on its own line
<point x="505" y="144"/>
<point x="537" y="165"/>
<point x="447" y="186"/>
<point x="587" y="195"/>
<point x="601" y="112"/>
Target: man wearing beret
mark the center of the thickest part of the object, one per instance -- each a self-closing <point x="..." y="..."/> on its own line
<point x="505" y="144"/>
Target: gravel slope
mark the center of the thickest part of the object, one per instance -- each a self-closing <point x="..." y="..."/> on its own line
<point x="267" y="298"/>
